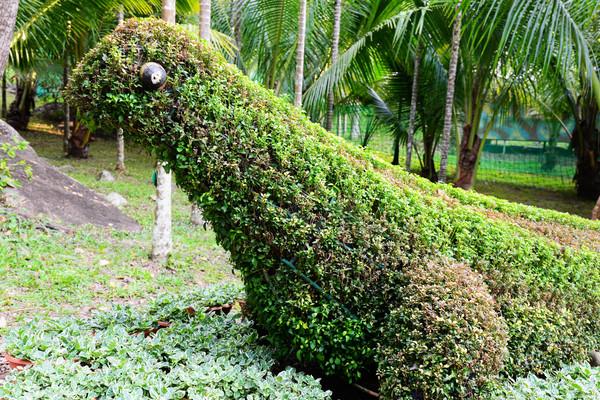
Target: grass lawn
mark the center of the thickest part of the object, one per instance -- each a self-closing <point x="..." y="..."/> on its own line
<point x="48" y="272"/>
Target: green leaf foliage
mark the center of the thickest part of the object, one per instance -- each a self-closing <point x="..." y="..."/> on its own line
<point x="321" y="238"/>
<point x="200" y="356"/>
<point x="448" y="333"/>
<point x="578" y="381"/>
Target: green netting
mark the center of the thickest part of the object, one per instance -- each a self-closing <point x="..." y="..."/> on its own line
<point x="538" y="163"/>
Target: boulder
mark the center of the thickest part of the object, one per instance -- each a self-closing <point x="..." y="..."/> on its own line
<point x="105" y="176"/>
<point x="116" y="199"/>
<point x="56" y="196"/>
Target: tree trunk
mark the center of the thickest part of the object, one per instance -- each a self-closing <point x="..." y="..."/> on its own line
<point x="236" y="24"/>
<point x="19" y="111"/>
<point x="586" y="142"/>
<point x="204" y="19"/>
<point x="396" y="159"/>
<point x="8" y="16"/>
<point x="161" y="236"/>
<point x="467" y="161"/>
<point x="428" y="171"/>
<point x="3" y="95"/>
<point x="120" y="16"/>
<point x="120" y="137"/>
<point x="413" y="108"/>
<point x="168" y="11"/>
<point x="299" y="78"/>
<point x="337" y="19"/>
<point x="66" y="109"/>
<point x="355" y="132"/>
<point x="196" y="217"/>
<point x="596" y="210"/>
<point x="79" y="141"/>
<point x="450" y="97"/>
<point x="120" y="151"/>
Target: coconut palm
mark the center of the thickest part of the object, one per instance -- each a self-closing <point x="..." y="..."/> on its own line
<point x="452" y="67"/>
<point x="335" y="43"/>
<point x="299" y="78"/>
<point x="549" y="35"/>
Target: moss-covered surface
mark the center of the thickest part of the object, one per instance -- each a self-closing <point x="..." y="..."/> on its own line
<point x="320" y="236"/>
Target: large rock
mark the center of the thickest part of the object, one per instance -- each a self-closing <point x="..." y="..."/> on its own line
<point x="55" y="195"/>
<point x="116" y="199"/>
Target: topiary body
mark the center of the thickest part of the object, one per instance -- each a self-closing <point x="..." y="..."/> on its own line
<point x="320" y="238"/>
<point x="445" y="339"/>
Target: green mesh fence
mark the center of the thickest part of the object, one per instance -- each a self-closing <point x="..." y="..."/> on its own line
<point x="535" y="163"/>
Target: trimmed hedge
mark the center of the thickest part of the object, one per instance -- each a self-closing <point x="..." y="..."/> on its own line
<point x="445" y="340"/>
<point x="320" y="237"/>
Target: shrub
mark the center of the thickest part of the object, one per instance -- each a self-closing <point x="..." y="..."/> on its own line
<point x="204" y="356"/>
<point x="321" y="239"/>
<point x="445" y="339"/>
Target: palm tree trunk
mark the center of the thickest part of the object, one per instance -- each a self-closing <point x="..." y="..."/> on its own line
<point x="66" y="108"/>
<point x="396" y="158"/>
<point x="168" y="11"/>
<point x="120" y="16"/>
<point x="445" y="146"/>
<point x="337" y="18"/>
<point x="355" y="131"/>
<point x="120" y="138"/>
<point x="204" y="19"/>
<point x="120" y="151"/>
<point x="585" y="140"/>
<point x="196" y="217"/>
<point x="236" y="17"/>
<point x="413" y="107"/>
<point x="204" y="28"/>
<point x="8" y="16"/>
<point x="3" y="95"/>
<point x="161" y="237"/>
<point x="299" y="78"/>
<point x="596" y="210"/>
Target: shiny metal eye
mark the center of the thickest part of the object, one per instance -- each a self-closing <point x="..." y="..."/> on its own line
<point x="153" y="76"/>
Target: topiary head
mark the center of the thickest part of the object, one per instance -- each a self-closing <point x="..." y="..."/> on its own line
<point x="136" y="77"/>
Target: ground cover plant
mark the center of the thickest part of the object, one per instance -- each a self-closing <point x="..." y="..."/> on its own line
<point x="112" y="355"/>
<point x="321" y="238"/>
<point x="578" y="381"/>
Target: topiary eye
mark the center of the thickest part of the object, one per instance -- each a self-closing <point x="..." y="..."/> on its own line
<point x="153" y="76"/>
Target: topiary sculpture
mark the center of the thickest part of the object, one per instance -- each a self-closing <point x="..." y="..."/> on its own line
<point x="322" y="239"/>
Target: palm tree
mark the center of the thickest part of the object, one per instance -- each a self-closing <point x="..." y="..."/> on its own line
<point x="516" y="37"/>
<point x="452" y="67"/>
<point x="413" y="107"/>
<point x="204" y="19"/>
<point x="299" y="78"/>
<point x="378" y="55"/>
<point x="120" y="167"/>
<point x="337" y="18"/>
<point x="162" y="242"/>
